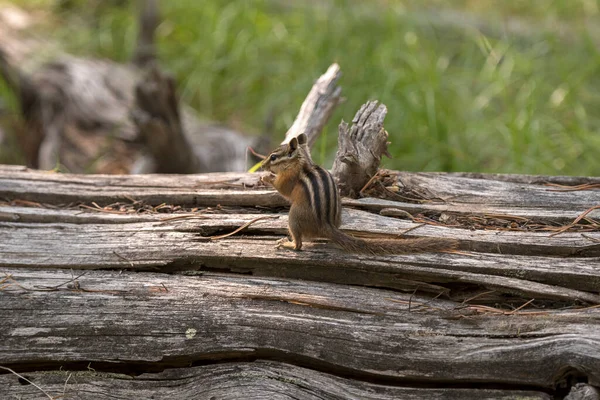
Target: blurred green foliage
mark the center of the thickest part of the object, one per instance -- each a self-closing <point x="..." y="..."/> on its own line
<point x="470" y="85"/>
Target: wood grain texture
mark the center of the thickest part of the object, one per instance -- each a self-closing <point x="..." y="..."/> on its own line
<point x="92" y="240"/>
<point x="360" y="148"/>
<point x="582" y="391"/>
<point x="356" y="221"/>
<point x="145" y="319"/>
<point x="490" y="192"/>
<point x="529" y="179"/>
<point x="257" y="380"/>
<point x="463" y="196"/>
<point x="321" y="101"/>
<point x="510" y="314"/>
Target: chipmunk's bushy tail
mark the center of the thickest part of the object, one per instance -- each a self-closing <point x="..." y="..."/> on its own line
<point x="391" y="246"/>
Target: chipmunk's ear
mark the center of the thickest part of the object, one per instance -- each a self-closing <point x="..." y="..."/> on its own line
<point x="293" y="144"/>
<point x="302" y="139"/>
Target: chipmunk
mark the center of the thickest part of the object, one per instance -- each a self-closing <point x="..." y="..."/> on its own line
<point x="316" y="206"/>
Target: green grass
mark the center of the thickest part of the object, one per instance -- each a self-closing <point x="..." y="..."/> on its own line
<point x="522" y="100"/>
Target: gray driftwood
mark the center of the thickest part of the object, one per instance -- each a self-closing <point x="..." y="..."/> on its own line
<point x="360" y="148"/>
<point x="480" y="196"/>
<point x="172" y="321"/>
<point x="582" y="391"/>
<point x="318" y="106"/>
<point x="79" y="112"/>
<point x="165" y="305"/>
<point x="159" y="121"/>
<point x="150" y="242"/>
<point x="237" y="380"/>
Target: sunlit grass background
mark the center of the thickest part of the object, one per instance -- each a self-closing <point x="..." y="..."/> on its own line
<point x="470" y="85"/>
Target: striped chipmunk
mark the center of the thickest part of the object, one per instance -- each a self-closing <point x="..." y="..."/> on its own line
<point x="315" y="210"/>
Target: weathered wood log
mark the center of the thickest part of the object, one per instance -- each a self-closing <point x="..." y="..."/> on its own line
<point x="463" y="324"/>
<point x="360" y="149"/>
<point x="241" y="380"/>
<point x="79" y="111"/>
<point x="68" y="113"/>
<point x="582" y="391"/>
<point x="518" y="262"/>
<point x="318" y="106"/>
<point x="463" y="196"/>
<point x="158" y="119"/>
<point x="175" y="246"/>
<point x="530" y="179"/>
<point x="148" y="321"/>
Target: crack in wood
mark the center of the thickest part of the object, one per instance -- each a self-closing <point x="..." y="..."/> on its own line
<point x="264" y="379"/>
<point x="126" y="370"/>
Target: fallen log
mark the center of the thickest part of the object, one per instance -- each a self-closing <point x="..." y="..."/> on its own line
<point x="148" y="322"/>
<point x="237" y="380"/>
<point x="155" y="271"/>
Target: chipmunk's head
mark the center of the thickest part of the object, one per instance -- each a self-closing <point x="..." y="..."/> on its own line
<point x="288" y="155"/>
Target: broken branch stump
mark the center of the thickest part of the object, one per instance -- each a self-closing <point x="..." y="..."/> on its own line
<point x="360" y="148"/>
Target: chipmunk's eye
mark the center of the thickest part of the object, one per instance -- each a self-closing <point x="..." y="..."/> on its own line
<point x="273" y="157"/>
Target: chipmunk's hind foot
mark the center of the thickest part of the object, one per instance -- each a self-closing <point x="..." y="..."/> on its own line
<point x="285" y="243"/>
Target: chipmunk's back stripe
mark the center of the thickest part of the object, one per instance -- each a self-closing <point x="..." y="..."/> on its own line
<point x="307" y="190"/>
<point x="315" y="193"/>
<point x="328" y="193"/>
<point x="335" y="200"/>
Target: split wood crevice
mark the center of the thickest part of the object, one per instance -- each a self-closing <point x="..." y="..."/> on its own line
<point x="513" y="313"/>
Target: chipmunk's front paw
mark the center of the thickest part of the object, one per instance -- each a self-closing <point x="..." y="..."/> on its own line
<point x="268" y="179"/>
<point x="285" y="243"/>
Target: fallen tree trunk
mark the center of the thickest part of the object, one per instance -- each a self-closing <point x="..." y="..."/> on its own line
<point x="148" y="322"/>
<point x="239" y="380"/>
<point x="144" y="267"/>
